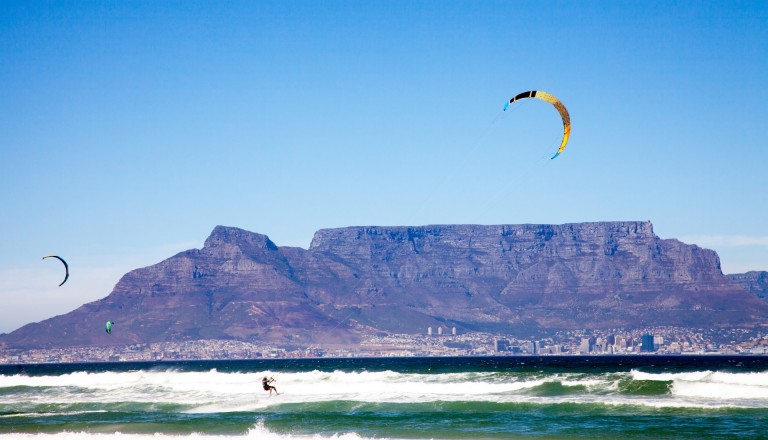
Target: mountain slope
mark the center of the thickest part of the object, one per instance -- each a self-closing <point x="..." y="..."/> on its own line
<point x="505" y="278"/>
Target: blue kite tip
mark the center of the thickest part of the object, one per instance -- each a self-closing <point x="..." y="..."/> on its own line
<point x="556" y="154"/>
<point x="506" y="106"/>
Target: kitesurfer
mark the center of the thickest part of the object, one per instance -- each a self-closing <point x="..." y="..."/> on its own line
<point x="266" y="384"/>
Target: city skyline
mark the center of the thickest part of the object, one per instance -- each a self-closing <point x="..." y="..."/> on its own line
<point x="627" y="342"/>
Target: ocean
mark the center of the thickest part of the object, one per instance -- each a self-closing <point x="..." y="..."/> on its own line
<point x="515" y="397"/>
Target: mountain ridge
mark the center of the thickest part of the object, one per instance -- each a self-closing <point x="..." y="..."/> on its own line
<point x="359" y="280"/>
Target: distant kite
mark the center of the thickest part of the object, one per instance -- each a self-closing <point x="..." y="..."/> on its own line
<point x="66" y="266"/>
<point x="544" y="96"/>
<point x="108" y="326"/>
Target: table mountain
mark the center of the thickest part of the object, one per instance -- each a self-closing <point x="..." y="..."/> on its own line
<point x="755" y="281"/>
<point x="527" y="278"/>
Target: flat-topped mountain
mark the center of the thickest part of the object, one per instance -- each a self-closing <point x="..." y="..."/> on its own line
<point x="755" y="281"/>
<point x="505" y="278"/>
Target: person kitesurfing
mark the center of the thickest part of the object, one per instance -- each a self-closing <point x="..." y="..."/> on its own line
<point x="266" y="384"/>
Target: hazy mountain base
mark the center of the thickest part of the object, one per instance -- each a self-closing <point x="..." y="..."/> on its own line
<point x="533" y="279"/>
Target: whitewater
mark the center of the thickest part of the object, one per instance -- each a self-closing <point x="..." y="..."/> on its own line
<point x="393" y="398"/>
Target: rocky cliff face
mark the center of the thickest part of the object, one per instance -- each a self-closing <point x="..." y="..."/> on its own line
<point x="756" y="282"/>
<point x="548" y="276"/>
<point x="517" y="278"/>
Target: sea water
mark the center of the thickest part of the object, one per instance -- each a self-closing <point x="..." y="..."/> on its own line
<point x="522" y="397"/>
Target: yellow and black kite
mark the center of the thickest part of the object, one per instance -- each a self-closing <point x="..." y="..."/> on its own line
<point x="544" y="96"/>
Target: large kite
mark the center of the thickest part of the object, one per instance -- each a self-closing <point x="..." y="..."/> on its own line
<point x="66" y="266"/>
<point x="544" y="96"/>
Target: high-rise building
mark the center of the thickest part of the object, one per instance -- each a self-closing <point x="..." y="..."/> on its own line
<point x="599" y="345"/>
<point x="440" y="330"/>
<point x="584" y="346"/>
<point x="453" y="331"/>
<point x="502" y="345"/>
<point x="647" y="343"/>
<point x="429" y="331"/>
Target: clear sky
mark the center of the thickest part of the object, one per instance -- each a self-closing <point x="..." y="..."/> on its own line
<point x="129" y="130"/>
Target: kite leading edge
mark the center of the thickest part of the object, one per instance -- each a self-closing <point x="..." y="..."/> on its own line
<point x="66" y="266"/>
<point x="544" y="96"/>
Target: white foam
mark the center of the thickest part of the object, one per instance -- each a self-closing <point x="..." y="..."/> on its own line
<point x="708" y="388"/>
<point x="256" y="432"/>
<point x="63" y="413"/>
<point x="693" y="375"/>
<point x="213" y="391"/>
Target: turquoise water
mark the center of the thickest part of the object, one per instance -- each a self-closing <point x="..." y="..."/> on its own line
<point x="635" y="397"/>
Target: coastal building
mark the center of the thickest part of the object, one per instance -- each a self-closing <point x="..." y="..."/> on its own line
<point x="675" y="347"/>
<point x="584" y="345"/>
<point x="599" y="345"/>
<point x="646" y="343"/>
<point x="501" y="345"/>
<point x="621" y="344"/>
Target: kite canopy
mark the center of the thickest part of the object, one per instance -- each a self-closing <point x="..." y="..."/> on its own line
<point x="544" y="96"/>
<point x="66" y="266"/>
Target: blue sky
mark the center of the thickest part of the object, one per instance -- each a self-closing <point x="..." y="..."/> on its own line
<point x="130" y="129"/>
